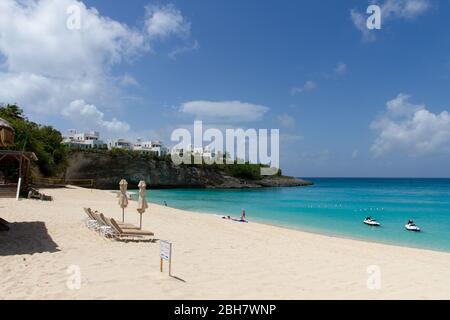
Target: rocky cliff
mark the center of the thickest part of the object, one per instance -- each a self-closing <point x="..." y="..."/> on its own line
<point x="107" y="169"/>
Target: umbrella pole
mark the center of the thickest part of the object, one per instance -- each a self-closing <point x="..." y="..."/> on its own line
<point x="123" y="214"/>
<point x="141" y="222"/>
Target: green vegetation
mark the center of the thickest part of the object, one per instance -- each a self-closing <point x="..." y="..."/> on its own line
<point x="116" y="152"/>
<point x="245" y="171"/>
<point x="44" y="141"/>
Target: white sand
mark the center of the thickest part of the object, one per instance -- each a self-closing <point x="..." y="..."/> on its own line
<point x="217" y="259"/>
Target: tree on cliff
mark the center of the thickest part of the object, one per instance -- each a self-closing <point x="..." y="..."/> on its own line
<point x="44" y="141"/>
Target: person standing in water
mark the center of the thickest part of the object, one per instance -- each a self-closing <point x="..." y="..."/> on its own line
<point x="243" y="215"/>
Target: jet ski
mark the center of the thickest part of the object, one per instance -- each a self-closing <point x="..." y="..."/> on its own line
<point x="411" y="226"/>
<point x="371" y="222"/>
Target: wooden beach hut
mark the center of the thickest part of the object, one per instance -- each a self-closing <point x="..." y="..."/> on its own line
<point x="13" y="163"/>
<point x="6" y="134"/>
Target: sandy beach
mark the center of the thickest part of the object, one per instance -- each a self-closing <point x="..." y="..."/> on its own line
<point x="212" y="258"/>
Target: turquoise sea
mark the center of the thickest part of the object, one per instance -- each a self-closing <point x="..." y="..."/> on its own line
<point x="336" y="207"/>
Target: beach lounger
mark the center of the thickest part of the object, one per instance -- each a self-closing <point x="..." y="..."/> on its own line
<point x="100" y="217"/>
<point x="104" y="228"/>
<point x="122" y="225"/>
<point x="91" y="222"/>
<point x="120" y="232"/>
<point x="97" y="223"/>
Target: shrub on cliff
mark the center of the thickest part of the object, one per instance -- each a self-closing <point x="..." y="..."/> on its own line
<point x="245" y="171"/>
<point x="44" y="141"/>
<point x="119" y="152"/>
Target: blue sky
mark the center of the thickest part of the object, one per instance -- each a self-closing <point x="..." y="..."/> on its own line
<point x="347" y="101"/>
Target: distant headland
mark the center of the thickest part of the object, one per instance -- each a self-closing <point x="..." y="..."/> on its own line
<point x="107" y="168"/>
<point x="81" y="156"/>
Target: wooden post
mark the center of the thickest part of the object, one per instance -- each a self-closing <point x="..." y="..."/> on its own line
<point x="20" y="166"/>
<point x="19" y="185"/>
<point x="27" y="171"/>
<point x="161" y="264"/>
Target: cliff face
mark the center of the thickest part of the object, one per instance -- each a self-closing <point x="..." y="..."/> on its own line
<point x="108" y="169"/>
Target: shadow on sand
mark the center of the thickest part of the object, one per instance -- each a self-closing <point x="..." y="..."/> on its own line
<point x="138" y="240"/>
<point x="26" y="238"/>
<point x="177" y="278"/>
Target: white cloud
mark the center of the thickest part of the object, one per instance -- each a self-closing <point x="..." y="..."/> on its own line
<point x="47" y="65"/>
<point x="340" y="69"/>
<point x="128" y="80"/>
<point x="286" y="120"/>
<point x="47" y="95"/>
<point x="406" y="9"/>
<point x="308" y="86"/>
<point x="359" y="20"/>
<point x="87" y="114"/>
<point x="163" y="21"/>
<point x="390" y="10"/>
<point x="224" y="111"/>
<point x="411" y="128"/>
<point x="184" y="49"/>
<point x="35" y="39"/>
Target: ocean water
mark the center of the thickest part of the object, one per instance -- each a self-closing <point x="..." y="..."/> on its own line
<point x="336" y="207"/>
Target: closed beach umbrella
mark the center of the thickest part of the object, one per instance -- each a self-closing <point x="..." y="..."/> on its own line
<point x="142" y="202"/>
<point x="123" y="198"/>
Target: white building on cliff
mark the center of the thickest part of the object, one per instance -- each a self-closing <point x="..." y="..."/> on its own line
<point x="83" y="140"/>
<point x="155" y="147"/>
<point x="204" y="152"/>
<point x="120" y="144"/>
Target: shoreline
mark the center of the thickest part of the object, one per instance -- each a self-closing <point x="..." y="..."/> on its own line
<point x="304" y="230"/>
<point x="311" y="232"/>
<point x="217" y="259"/>
<point x="324" y="234"/>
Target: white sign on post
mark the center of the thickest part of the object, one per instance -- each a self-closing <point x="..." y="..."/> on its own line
<point x="165" y="249"/>
<point x="165" y="253"/>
